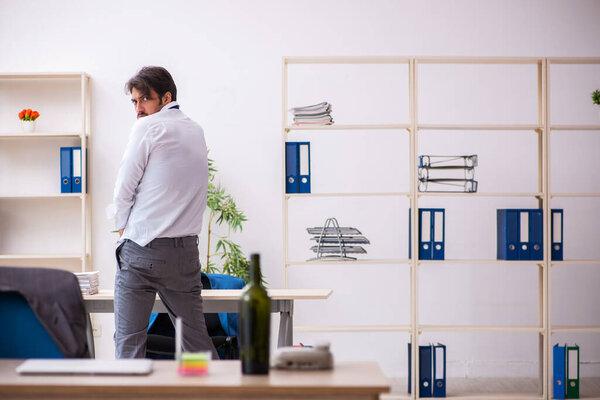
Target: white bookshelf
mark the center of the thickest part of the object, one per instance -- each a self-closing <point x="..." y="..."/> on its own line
<point x="541" y="130"/>
<point x="63" y="100"/>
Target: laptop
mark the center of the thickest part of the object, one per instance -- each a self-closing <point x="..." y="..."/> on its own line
<point x="85" y="366"/>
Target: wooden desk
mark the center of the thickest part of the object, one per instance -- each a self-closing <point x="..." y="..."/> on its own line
<point x="348" y="380"/>
<point x="226" y="300"/>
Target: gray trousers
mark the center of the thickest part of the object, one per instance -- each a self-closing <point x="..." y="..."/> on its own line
<point x="171" y="268"/>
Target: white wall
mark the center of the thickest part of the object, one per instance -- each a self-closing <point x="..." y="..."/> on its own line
<point x="226" y="60"/>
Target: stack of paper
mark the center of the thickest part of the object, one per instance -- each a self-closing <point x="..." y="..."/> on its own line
<point x="88" y="282"/>
<point x="316" y="114"/>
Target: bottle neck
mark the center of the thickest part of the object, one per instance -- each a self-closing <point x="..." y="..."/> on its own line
<point x="255" y="275"/>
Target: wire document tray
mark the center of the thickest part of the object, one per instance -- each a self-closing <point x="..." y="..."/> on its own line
<point x="335" y="242"/>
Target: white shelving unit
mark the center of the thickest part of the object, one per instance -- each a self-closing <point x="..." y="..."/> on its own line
<point x="541" y="129"/>
<point x="63" y="100"/>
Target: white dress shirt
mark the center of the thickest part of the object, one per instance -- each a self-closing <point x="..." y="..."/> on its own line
<point x="163" y="178"/>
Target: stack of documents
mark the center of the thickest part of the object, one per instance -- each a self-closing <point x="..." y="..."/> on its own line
<point x="88" y="282"/>
<point x="316" y="114"/>
<point x="335" y="242"/>
<point x="447" y="173"/>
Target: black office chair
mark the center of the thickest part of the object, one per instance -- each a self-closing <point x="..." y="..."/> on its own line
<point x="161" y="334"/>
<point x="43" y="314"/>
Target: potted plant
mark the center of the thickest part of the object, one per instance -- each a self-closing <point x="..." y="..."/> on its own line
<point x="28" y="117"/>
<point x="596" y="97"/>
<point x="223" y="211"/>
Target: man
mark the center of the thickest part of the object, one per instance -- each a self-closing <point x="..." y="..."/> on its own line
<point x="159" y="199"/>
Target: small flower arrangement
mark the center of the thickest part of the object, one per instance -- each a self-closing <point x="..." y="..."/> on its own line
<point x="28" y="115"/>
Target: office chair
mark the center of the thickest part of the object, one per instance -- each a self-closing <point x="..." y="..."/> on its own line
<point x="43" y="314"/>
<point x="222" y="327"/>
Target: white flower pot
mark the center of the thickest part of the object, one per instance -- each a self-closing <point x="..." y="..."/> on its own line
<point x="28" y="126"/>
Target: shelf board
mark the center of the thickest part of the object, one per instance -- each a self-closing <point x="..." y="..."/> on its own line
<point x="8" y="257"/>
<point x="574" y="60"/>
<point x="576" y="329"/>
<point x="575" y="127"/>
<point x="478" y="127"/>
<point x="341" y="127"/>
<point x="575" y="195"/>
<point x="41" y="196"/>
<point x="479" y="328"/>
<point x="43" y="75"/>
<point x="494" y="396"/>
<point x="21" y="135"/>
<point x="349" y="262"/>
<point x="358" y="328"/>
<point x="478" y="60"/>
<point x="366" y="194"/>
<point x="576" y="262"/>
<point x="347" y="60"/>
<point x="482" y="194"/>
<point x="483" y="261"/>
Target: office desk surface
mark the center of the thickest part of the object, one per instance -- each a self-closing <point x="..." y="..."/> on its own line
<point x="348" y="380"/>
<point x="226" y="300"/>
<point x="234" y="294"/>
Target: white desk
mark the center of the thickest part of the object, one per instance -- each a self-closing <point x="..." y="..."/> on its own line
<point x="348" y="380"/>
<point x="282" y="302"/>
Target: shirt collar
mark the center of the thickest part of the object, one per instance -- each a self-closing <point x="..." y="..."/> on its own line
<point x="169" y="106"/>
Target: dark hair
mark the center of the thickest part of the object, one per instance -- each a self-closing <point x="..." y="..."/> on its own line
<point x="156" y="78"/>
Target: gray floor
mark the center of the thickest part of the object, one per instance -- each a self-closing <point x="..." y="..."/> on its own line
<point x="589" y="387"/>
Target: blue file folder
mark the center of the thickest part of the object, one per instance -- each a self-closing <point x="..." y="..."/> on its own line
<point x="557" y="234"/>
<point x="304" y="167"/>
<point x="409" y="367"/>
<point x="425" y="222"/>
<point x="291" y="167"/>
<point x="520" y="234"/>
<point x="439" y="370"/>
<point x="523" y="235"/>
<point x="438" y="226"/>
<point x="558" y="371"/>
<point x="425" y="371"/>
<point x="536" y="234"/>
<point x="507" y="234"/>
<point x="76" y="169"/>
<point x="432" y="237"/>
<point x="65" y="170"/>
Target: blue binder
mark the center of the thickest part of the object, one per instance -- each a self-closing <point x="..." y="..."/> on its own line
<point x="424" y="371"/>
<point x="557" y="234"/>
<point x="291" y="167"/>
<point x="437" y="233"/>
<point x="507" y="224"/>
<point x="304" y="167"/>
<point x="409" y="367"/>
<point x="558" y="371"/>
<point x="76" y="169"/>
<point x="523" y="235"/>
<point x="425" y="222"/>
<point x="439" y="370"/>
<point x="536" y="234"/>
<point x="65" y="170"/>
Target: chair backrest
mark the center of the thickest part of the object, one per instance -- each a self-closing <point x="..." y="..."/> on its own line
<point x="23" y="336"/>
<point x="43" y="300"/>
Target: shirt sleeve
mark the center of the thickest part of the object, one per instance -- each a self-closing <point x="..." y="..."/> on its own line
<point x="131" y="171"/>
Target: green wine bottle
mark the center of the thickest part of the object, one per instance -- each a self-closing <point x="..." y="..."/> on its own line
<point x="255" y="323"/>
